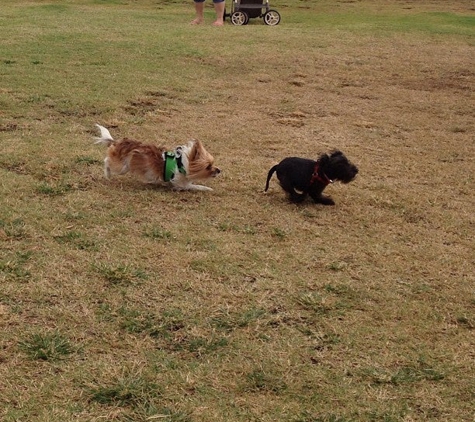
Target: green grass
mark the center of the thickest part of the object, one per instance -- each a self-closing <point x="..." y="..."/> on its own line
<point x="49" y="347"/>
<point x="126" y="302"/>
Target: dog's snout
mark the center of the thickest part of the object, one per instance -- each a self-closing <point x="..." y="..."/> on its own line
<point x="217" y="171"/>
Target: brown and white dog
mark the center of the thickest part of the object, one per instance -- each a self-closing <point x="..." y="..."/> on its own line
<point x="178" y="168"/>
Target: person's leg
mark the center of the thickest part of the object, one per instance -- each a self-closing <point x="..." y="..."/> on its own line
<point x="219" y="7"/>
<point x="199" y="9"/>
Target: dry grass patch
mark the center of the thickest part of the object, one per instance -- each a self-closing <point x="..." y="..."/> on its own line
<point x="126" y="302"/>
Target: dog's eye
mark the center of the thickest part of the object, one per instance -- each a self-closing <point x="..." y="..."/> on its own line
<point x="209" y="167"/>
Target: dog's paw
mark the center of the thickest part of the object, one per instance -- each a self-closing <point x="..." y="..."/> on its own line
<point x="198" y="188"/>
<point x="325" y="200"/>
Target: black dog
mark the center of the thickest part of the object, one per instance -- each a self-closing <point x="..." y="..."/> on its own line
<point x="311" y="177"/>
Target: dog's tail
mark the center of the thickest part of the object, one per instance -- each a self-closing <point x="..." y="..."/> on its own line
<point x="105" y="138"/>
<point x="269" y="175"/>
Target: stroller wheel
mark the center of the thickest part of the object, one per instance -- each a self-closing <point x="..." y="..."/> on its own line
<point x="239" y="18"/>
<point x="272" y="17"/>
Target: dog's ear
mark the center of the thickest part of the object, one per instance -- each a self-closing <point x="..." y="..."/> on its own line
<point x="336" y="153"/>
<point x="323" y="159"/>
<point x="196" y="150"/>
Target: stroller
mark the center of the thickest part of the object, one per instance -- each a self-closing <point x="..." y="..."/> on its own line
<point x="243" y="10"/>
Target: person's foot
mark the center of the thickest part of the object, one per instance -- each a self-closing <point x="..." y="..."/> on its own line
<point x="218" y="23"/>
<point x="197" y="21"/>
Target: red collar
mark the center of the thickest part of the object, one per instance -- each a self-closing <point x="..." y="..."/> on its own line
<point x="316" y="176"/>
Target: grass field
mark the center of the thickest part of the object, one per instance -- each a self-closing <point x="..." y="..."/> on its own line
<point x="125" y="302"/>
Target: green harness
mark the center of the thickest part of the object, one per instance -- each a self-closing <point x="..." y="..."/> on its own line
<point x="173" y="162"/>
